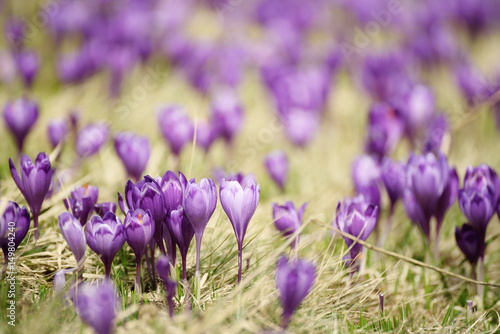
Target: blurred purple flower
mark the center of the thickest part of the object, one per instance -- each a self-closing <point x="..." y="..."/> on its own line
<point x="385" y="129"/>
<point x="28" y="63"/>
<point x="20" y="116"/>
<point x="469" y="242"/>
<point x="72" y="232"/>
<point x="57" y="130"/>
<point x="91" y="138"/>
<point x="227" y="114"/>
<point x="134" y="151"/>
<point x="276" y="164"/>
<point x="394" y="178"/>
<point x="176" y="127"/>
<point x="288" y="220"/>
<point x="366" y="174"/>
<point x="14" y="225"/>
<point x="163" y="267"/>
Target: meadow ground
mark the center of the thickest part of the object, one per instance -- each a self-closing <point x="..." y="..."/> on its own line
<point x="416" y="299"/>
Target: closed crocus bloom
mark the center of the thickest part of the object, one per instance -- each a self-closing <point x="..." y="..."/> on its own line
<point x="240" y="205"/>
<point x="227" y="114"/>
<point x="438" y="134"/>
<point x="134" y="151"/>
<point x="81" y="202"/>
<point x="102" y="208"/>
<point x="358" y="218"/>
<point x="139" y="230"/>
<point x="427" y="176"/>
<point x="172" y="187"/>
<point x="97" y="305"/>
<point x="199" y="204"/>
<point x="14" y="222"/>
<point x="416" y="213"/>
<point x="91" y="138"/>
<point x="28" y="63"/>
<point x="479" y="197"/>
<point x="105" y="236"/>
<point x="57" y="130"/>
<point x="366" y="175"/>
<point x="163" y="267"/>
<point x="20" y="116"/>
<point x="394" y="178"/>
<point x="469" y="242"/>
<point x="419" y="109"/>
<point x="72" y="232"/>
<point x="385" y="129"/>
<point x="34" y="182"/>
<point x="182" y="232"/>
<point x="294" y="280"/>
<point x="287" y="219"/>
<point x="176" y="127"/>
<point x="206" y="133"/>
<point x="276" y="164"/>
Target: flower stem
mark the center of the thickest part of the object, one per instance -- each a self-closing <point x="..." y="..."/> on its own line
<point x="35" y="224"/>
<point x="240" y="260"/>
<point x="138" y="273"/>
<point x="4" y="268"/>
<point x="480" y="288"/>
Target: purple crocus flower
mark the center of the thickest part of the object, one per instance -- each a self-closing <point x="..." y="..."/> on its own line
<point x="72" y="231"/>
<point x="134" y="151"/>
<point x="163" y="267"/>
<point x="301" y="126"/>
<point x="20" y="116"/>
<point x="91" y="138"/>
<point x="34" y="182"/>
<point x="97" y="305"/>
<point x="468" y="242"/>
<point x="287" y="219"/>
<point x="15" y="32"/>
<point x="81" y="202"/>
<point x="102" y="208"/>
<point x="172" y="187"/>
<point x="105" y="236"/>
<point x="385" y="129"/>
<point x="436" y="135"/>
<point x="199" y="204"/>
<point x="294" y="280"/>
<point x="417" y="109"/>
<point x="182" y="233"/>
<point x="139" y="230"/>
<point x="57" y="130"/>
<point x="28" y="63"/>
<point x="357" y="217"/>
<point x="394" y="179"/>
<point x="276" y="164"/>
<point x="14" y="225"/>
<point x="227" y="114"/>
<point x="176" y="127"/>
<point x="240" y="205"/>
<point x="479" y="198"/>
<point x="366" y="174"/>
<point x="206" y="133"/>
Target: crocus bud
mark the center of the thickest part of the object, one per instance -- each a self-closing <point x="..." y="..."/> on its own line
<point x="418" y="109"/>
<point x="105" y="236"/>
<point x="469" y="242"/>
<point x="28" y="63"/>
<point x="57" y="130"/>
<point x="182" y="232"/>
<point x="81" y="202"/>
<point x="366" y="175"/>
<point x="14" y="225"/>
<point x="240" y="205"/>
<point x="91" y="138"/>
<point x="176" y="127"/>
<point x="163" y="267"/>
<point x="134" y="151"/>
<point x="358" y="218"/>
<point x="102" y="208"/>
<point x="479" y="197"/>
<point x="227" y="114"/>
<point x="199" y="204"/>
<point x="172" y="189"/>
<point x="20" y="116"/>
<point x="287" y="219"/>
<point x="97" y="306"/>
<point x="72" y="232"/>
<point x="276" y="164"/>
<point x="294" y="280"/>
<point x="33" y="183"/>
<point x="394" y="178"/>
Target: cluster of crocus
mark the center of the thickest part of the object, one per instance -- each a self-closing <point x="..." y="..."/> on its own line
<point x="34" y="182"/>
<point x="356" y="217"/>
<point x="478" y="200"/>
<point x="14" y="225"/>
